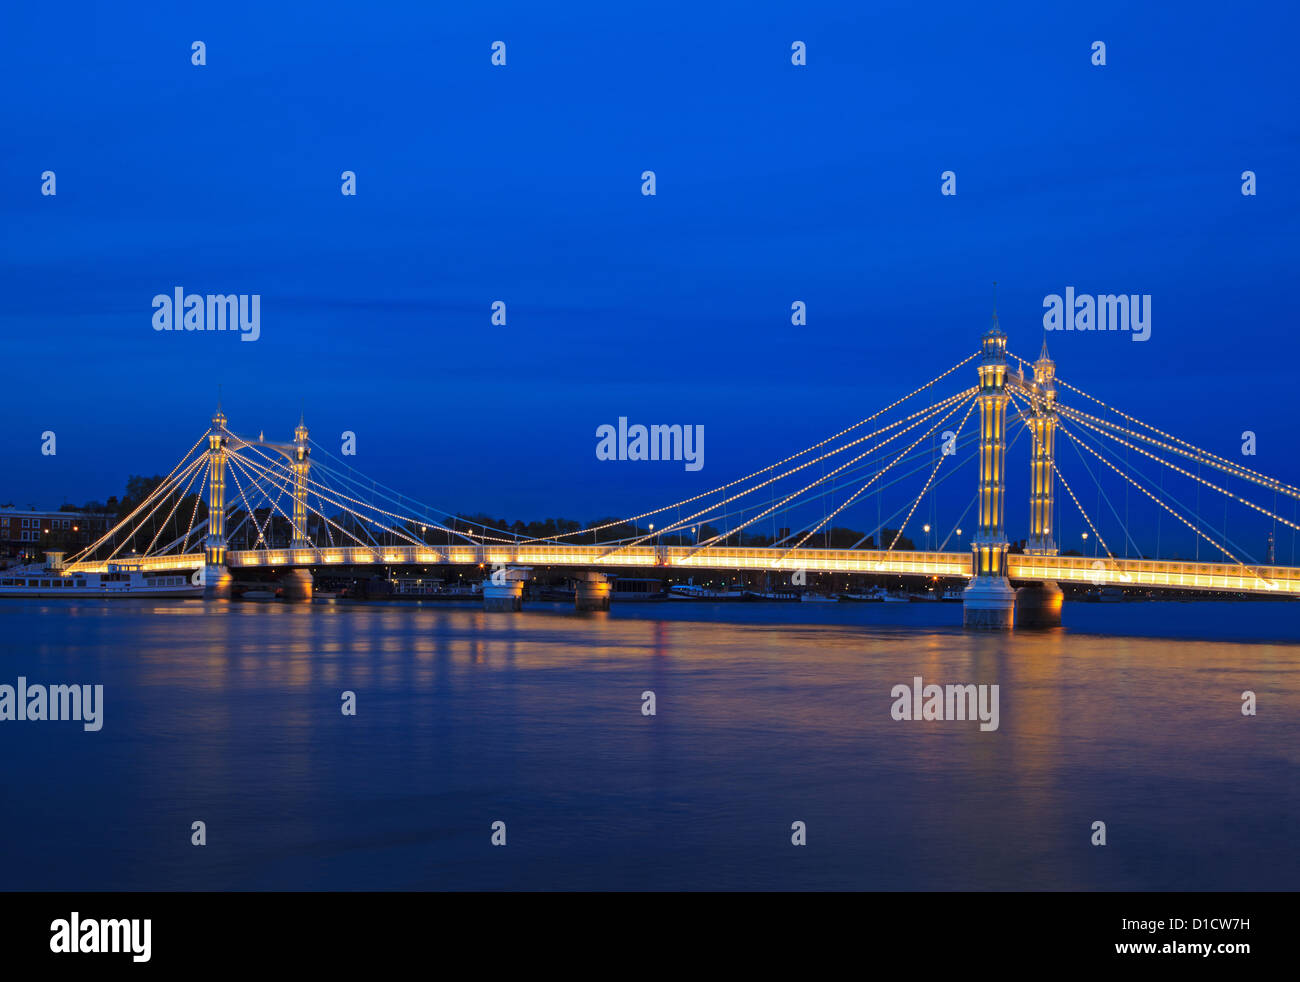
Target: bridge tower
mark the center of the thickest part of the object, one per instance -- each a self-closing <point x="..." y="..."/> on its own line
<point x="1039" y="604"/>
<point x="298" y="582"/>
<point x="301" y="464"/>
<point x="989" y="601"/>
<point x="214" y="575"/>
<point x="1042" y="427"/>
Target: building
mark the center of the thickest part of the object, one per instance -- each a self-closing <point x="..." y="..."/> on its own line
<point x="27" y="533"/>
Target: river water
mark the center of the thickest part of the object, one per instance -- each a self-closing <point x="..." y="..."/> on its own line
<point x="766" y="715"/>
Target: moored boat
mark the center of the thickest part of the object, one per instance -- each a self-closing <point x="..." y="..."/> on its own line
<point x="689" y="591"/>
<point x="124" y="579"/>
<point x="876" y="595"/>
<point x="637" y="590"/>
<point x="772" y="596"/>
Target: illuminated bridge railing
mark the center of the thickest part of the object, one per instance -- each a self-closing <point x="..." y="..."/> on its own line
<point x="185" y="561"/>
<point x="1171" y="574"/>
<point x="823" y="560"/>
<point x="684" y="557"/>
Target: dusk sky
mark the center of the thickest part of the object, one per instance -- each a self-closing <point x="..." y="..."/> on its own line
<point x="522" y="183"/>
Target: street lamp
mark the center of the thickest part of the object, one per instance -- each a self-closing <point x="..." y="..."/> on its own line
<point x="926" y="529"/>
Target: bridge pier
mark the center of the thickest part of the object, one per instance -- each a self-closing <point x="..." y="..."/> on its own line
<point x="1039" y="605"/>
<point x="507" y="596"/>
<point x="214" y="575"/>
<point x="298" y="585"/>
<point x="591" y="591"/>
<point x="989" y="604"/>
<point x="504" y="590"/>
<point x="216" y="581"/>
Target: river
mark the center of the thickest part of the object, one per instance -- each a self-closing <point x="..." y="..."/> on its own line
<point x="765" y="715"/>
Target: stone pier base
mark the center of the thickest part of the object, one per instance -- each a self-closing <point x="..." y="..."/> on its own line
<point x="989" y="604"/>
<point x="591" y="591"/>
<point x="298" y="585"/>
<point x="505" y="596"/>
<point x="1038" y="605"/>
<point x="217" y="582"/>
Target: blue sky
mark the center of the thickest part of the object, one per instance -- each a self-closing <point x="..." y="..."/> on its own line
<point x="775" y="183"/>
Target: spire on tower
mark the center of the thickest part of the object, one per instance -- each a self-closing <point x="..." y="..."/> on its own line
<point x="995" y="332"/>
<point x="1045" y="370"/>
<point x="219" y="418"/>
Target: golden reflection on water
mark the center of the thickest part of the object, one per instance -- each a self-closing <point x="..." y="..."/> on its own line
<point x="1144" y="732"/>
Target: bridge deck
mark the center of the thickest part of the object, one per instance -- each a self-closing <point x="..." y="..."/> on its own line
<point x="1165" y="574"/>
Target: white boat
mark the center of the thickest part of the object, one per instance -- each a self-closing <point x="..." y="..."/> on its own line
<point x="817" y="598"/>
<point x="772" y="596"/>
<point x="896" y="598"/>
<point x="123" y="579"/>
<point x="689" y="591"/>
<point x="875" y="595"/>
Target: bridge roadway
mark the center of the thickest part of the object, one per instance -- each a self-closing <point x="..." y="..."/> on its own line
<point x="1165" y="574"/>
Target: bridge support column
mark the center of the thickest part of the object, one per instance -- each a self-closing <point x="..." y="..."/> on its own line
<point x="301" y="463"/>
<point x="214" y="576"/>
<point x="215" y="580"/>
<point x="504" y="590"/>
<point x="298" y="585"/>
<point x="1039" y="605"/>
<point x="989" y="602"/>
<point x="591" y="591"/>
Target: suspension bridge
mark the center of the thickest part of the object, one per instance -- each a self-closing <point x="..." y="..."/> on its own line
<point x="295" y="508"/>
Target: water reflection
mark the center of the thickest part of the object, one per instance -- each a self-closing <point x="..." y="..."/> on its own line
<point x="765" y="715"/>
